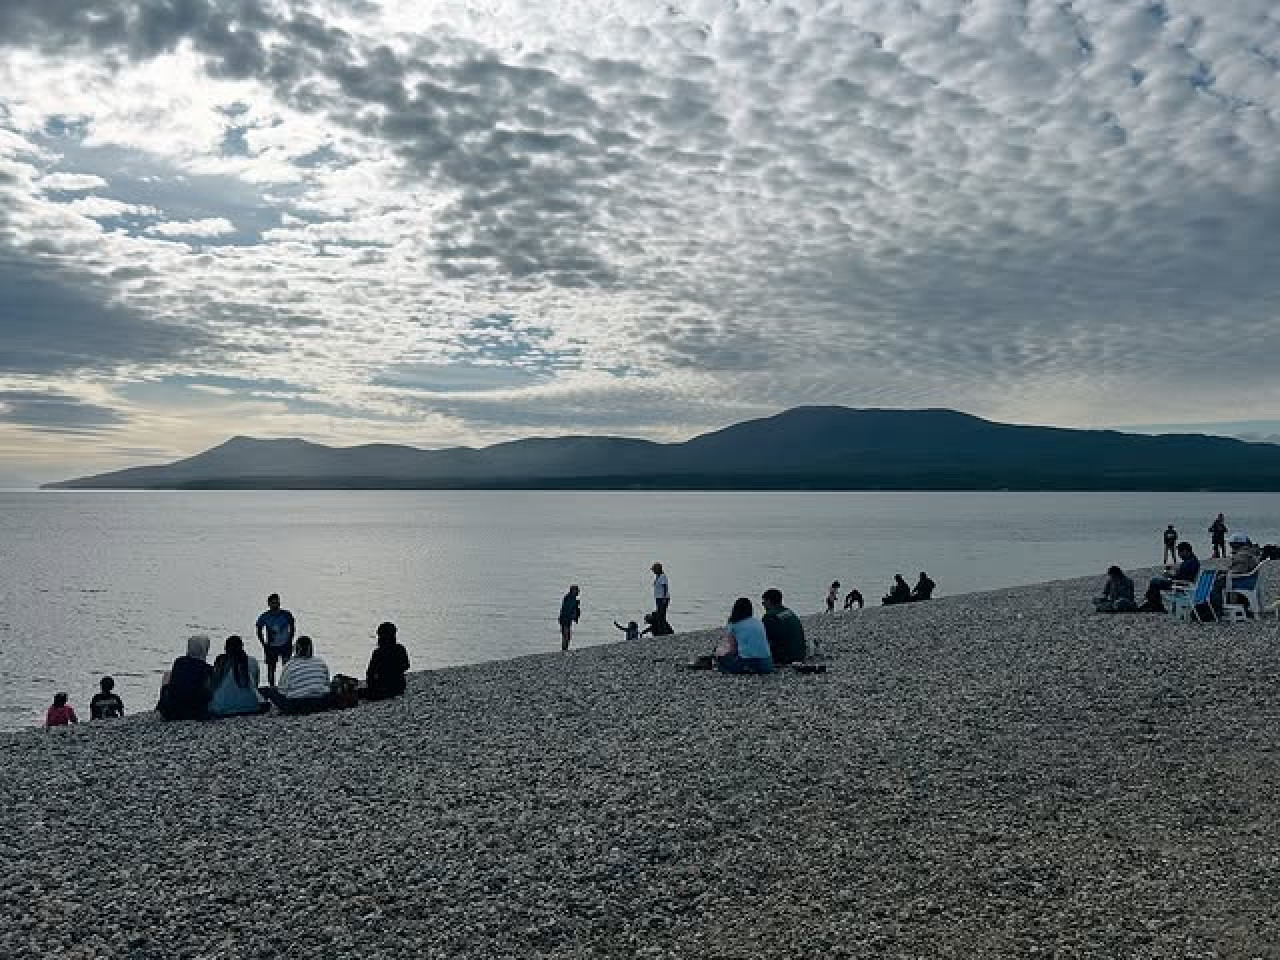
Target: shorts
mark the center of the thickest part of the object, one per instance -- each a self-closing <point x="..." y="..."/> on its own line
<point x="280" y="654"/>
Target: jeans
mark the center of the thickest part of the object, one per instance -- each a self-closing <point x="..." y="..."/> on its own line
<point x="732" y="663"/>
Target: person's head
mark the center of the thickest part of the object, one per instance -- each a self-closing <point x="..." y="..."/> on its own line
<point x="234" y="659"/>
<point x="304" y="647"/>
<point x="632" y="625"/>
<point x="898" y="578"/>
<point x="648" y="618"/>
<point x="198" y="646"/>
<point x="771" y="597"/>
<point x="107" y="684"/>
<point x="59" y="699"/>
<point x="1170" y="527"/>
<point x="741" y="610"/>
<point x="386" y="634"/>
<point x="1185" y="549"/>
<point x="573" y="589"/>
<point x="1114" y="572"/>
<point x="923" y="575"/>
<point x="273" y="601"/>
<point x="835" y="584"/>
<point x="234" y="644"/>
<point x="656" y="568"/>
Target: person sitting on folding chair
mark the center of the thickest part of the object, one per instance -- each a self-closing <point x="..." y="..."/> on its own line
<point x="1186" y="572"/>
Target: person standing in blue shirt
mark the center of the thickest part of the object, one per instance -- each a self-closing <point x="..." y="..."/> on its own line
<point x="275" y="632"/>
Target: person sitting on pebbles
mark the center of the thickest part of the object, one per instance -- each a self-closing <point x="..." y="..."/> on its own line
<point x="783" y="630"/>
<point x="1117" y="593"/>
<point x="900" y="592"/>
<point x="304" y="682"/>
<point x="744" y="647"/>
<point x="185" y="687"/>
<point x="387" y="666"/>
<point x="235" y="682"/>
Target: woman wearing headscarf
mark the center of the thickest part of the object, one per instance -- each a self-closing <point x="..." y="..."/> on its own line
<point x="235" y="682"/>
<point x="185" y="689"/>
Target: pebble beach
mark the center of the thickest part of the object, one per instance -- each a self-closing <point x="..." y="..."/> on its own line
<point x="991" y="775"/>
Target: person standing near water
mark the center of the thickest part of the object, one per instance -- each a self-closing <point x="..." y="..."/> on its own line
<point x="833" y="594"/>
<point x="275" y="632"/>
<point x="1218" y="536"/>
<point x="661" y="591"/>
<point x="570" y="612"/>
<point x="1170" y="545"/>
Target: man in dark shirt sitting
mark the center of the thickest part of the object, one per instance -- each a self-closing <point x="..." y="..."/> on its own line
<point x="1186" y="572"/>
<point x="783" y="628"/>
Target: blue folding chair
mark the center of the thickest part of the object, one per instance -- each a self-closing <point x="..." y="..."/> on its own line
<point x="1187" y="604"/>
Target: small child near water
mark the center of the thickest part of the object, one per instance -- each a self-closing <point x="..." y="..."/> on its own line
<point x="106" y="705"/>
<point x="832" y="594"/>
<point x="632" y="629"/>
<point x="60" y="714"/>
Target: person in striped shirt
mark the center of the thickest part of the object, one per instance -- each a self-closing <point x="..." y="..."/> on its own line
<point x="304" y="681"/>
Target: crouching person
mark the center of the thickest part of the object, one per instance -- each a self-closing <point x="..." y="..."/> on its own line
<point x="387" y="666"/>
<point x="1117" y="593"/>
<point x="304" y="682"/>
<point x="744" y="648"/>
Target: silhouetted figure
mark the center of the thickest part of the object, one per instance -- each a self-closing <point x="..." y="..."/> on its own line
<point x="1218" y="536"/>
<point x="1117" y="593"/>
<point x="106" y="703"/>
<point x="854" y="596"/>
<point x="387" y="666"/>
<point x="900" y="592"/>
<point x="186" y="688"/>
<point x="570" y="612"/>
<point x="924" y="588"/>
<point x="783" y="629"/>
<point x="1170" y="545"/>
<point x="833" y="594"/>
<point x="632" y="629"/>
<point x="657" y="625"/>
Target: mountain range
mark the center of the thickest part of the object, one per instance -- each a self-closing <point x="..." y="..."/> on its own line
<point x="831" y="448"/>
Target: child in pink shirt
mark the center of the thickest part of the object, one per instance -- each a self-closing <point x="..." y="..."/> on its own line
<point x="60" y="714"/>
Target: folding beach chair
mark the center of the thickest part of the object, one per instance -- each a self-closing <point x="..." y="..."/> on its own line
<point x="1246" y="586"/>
<point x="1187" y="603"/>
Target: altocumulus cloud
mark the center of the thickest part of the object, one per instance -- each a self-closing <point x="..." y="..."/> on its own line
<point x="1040" y="211"/>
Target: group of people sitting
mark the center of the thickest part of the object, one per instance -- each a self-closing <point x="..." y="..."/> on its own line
<point x="192" y="689"/>
<point x="751" y="644"/>
<point x="903" y="592"/>
<point x="1118" y="593"/>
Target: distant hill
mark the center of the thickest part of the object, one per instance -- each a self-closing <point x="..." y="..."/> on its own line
<point x="829" y="448"/>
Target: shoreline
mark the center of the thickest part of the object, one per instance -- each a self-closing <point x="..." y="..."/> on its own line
<point x="982" y="775"/>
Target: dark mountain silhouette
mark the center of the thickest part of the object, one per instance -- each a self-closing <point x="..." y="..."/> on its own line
<point x="805" y="448"/>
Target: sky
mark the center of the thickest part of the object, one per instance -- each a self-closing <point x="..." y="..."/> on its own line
<point x="442" y="223"/>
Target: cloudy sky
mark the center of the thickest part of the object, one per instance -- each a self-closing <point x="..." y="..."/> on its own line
<point x="465" y="221"/>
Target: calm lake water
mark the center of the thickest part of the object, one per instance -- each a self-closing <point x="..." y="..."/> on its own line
<point x="96" y="582"/>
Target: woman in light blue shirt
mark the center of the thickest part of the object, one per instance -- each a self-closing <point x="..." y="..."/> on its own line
<point x="745" y="646"/>
<point x="235" y="682"/>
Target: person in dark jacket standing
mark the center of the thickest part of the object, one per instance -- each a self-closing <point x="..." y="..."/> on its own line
<point x="1218" y="536"/>
<point x="388" y="665"/>
<point x="1170" y="545"/>
<point x="570" y="612"/>
<point x="783" y="628"/>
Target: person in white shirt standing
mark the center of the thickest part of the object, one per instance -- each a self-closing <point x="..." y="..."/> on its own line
<point x="304" y="682"/>
<point x="661" y="591"/>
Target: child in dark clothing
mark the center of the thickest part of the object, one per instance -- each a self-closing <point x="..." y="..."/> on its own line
<point x="106" y="705"/>
<point x="632" y="629"/>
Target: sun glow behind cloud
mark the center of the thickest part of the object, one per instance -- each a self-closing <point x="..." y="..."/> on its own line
<point x="1042" y="212"/>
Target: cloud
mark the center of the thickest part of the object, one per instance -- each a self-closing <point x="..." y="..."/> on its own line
<point x="208" y="227"/>
<point x="1040" y="212"/>
<point x="53" y="412"/>
<point x="71" y="182"/>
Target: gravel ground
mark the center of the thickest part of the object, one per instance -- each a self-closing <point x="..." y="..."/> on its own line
<point x="993" y="775"/>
